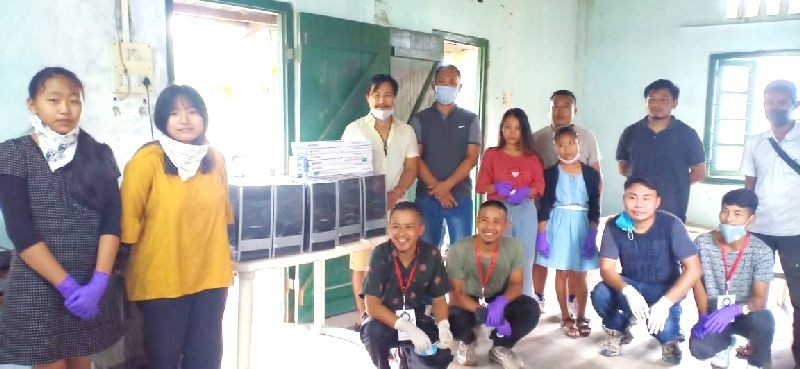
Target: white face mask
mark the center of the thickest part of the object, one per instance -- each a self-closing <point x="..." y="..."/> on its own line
<point x="382" y="114"/>
<point x="58" y="149"/>
<point x="570" y="161"/>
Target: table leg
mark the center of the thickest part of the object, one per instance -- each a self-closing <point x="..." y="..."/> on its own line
<point x="319" y="296"/>
<point x="245" y="318"/>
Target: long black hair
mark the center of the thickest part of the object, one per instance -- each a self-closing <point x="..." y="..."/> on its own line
<point x="526" y="138"/>
<point x="164" y="105"/>
<point x="89" y="177"/>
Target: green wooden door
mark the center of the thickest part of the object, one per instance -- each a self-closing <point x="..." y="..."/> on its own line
<point x="336" y="60"/>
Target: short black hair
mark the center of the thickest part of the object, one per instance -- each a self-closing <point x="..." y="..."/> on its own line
<point x="447" y="66"/>
<point x="566" y="130"/>
<point x="662" y="84"/>
<point x="405" y="206"/>
<point x="782" y="86"/>
<point x="642" y="181"/>
<point x="565" y="93"/>
<point x="743" y="198"/>
<point x="494" y="204"/>
<point x="166" y="102"/>
<point x="377" y="80"/>
<point x="38" y="80"/>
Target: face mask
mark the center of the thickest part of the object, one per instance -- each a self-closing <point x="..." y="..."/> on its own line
<point x="625" y="223"/>
<point x="574" y="158"/>
<point x="732" y="233"/>
<point x="381" y="114"/>
<point x="445" y="95"/>
<point x="778" y="117"/>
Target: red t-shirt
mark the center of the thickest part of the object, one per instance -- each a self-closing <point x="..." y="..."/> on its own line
<point x="522" y="171"/>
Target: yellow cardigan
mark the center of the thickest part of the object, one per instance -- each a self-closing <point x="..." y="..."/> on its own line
<point x="178" y="229"/>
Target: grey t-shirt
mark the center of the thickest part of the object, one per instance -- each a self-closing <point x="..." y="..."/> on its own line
<point x="543" y="144"/>
<point x="444" y="143"/>
<point x="756" y="265"/>
<point x="461" y="265"/>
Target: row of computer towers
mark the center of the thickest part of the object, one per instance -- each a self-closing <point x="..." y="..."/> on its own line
<point x="289" y="216"/>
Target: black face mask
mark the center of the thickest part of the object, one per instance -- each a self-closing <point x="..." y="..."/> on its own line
<point x="778" y="117"/>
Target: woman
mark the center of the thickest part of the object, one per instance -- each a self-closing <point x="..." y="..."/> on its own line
<point x="175" y="217"/>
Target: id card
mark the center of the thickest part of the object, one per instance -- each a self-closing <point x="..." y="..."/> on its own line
<point x="725" y="300"/>
<point x="407" y="315"/>
<point x="482" y="302"/>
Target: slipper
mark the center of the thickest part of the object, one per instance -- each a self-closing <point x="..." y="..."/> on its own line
<point x="568" y="326"/>
<point x="583" y="327"/>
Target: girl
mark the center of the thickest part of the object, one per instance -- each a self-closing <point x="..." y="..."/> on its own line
<point x="175" y="216"/>
<point x="511" y="172"/>
<point x="568" y="217"/>
<point x="60" y="202"/>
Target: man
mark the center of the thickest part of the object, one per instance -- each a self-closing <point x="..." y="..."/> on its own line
<point x="732" y="295"/>
<point x="486" y="278"/>
<point x="394" y="154"/>
<point x="449" y="140"/>
<point x="775" y="178"/>
<point x="659" y="266"/>
<point x="402" y="272"/>
<point x="563" y="107"/>
<point x="663" y="149"/>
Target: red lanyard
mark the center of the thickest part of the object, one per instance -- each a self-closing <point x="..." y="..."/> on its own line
<point x="484" y="280"/>
<point x="403" y="283"/>
<point x="729" y="274"/>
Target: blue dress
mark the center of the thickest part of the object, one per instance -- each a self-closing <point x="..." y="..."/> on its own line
<point x="567" y="228"/>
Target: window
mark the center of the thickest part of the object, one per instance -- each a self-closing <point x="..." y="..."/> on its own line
<point x="741" y="9"/>
<point x="736" y="104"/>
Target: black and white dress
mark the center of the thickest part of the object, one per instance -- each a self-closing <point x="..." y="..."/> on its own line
<point x="35" y="326"/>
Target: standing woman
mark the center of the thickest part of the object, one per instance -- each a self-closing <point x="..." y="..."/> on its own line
<point x="175" y="216"/>
<point x="60" y="202"/>
<point x="511" y="172"/>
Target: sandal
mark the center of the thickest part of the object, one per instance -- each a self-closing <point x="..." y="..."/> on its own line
<point x="583" y="327"/>
<point x="568" y="326"/>
<point x="744" y="352"/>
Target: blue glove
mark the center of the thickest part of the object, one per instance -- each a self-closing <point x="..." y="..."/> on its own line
<point x="494" y="317"/>
<point x="504" y="330"/>
<point x="519" y="195"/>
<point x="542" y="246"/>
<point x="85" y="302"/>
<point x="699" y="330"/>
<point x="719" y="320"/>
<point x="503" y="188"/>
<point x="67" y="287"/>
<point x="590" y="244"/>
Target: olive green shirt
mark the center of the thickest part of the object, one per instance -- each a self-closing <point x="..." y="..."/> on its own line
<point x="461" y="265"/>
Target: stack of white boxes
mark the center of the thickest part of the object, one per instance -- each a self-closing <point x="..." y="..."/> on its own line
<point x="331" y="158"/>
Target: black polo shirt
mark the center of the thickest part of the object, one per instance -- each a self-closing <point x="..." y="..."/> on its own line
<point x="664" y="158"/>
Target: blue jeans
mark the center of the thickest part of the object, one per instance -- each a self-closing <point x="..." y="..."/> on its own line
<point x="459" y="219"/>
<point x="524" y="223"/>
<point x="613" y="307"/>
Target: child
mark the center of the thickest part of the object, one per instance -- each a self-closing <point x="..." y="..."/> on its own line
<point x="568" y="217"/>
<point x="511" y="172"/>
<point x="60" y="202"/>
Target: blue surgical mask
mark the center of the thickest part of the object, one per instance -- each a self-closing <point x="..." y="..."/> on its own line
<point x="732" y="233"/>
<point x="445" y="95"/>
<point x="625" y="223"/>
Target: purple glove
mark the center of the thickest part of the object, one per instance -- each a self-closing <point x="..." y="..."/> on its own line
<point x="699" y="330"/>
<point x="519" y="195"/>
<point x="503" y="188"/>
<point x="590" y="245"/>
<point x="85" y="301"/>
<point x="504" y="330"/>
<point x="719" y="320"/>
<point x="67" y="287"/>
<point x="494" y="318"/>
<point x="542" y="246"/>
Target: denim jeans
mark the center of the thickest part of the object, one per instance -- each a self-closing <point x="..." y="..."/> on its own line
<point x="758" y="326"/>
<point x="524" y="223"/>
<point x="613" y="307"/>
<point x="459" y="219"/>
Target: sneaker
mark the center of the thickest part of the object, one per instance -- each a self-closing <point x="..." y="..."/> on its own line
<point x="613" y="345"/>
<point x="680" y="337"/>
<point x="505" y="357"/>
<point x="627" y="336"/>
<point x="723" y="358"/>
<point x="466" y="354"/>
<point x="539" y="300"/>
<point x="671" y="353"/>
<point x="572" y="307"/>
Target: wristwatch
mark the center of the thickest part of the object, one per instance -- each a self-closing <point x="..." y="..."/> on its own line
<point x="745" y="309"/>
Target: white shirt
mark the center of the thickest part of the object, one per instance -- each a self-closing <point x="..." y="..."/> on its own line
<point x="400" y="145"/>
<point x="777" y="184"/>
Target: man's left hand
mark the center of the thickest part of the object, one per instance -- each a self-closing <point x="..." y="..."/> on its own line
<point x="659" y="313"/>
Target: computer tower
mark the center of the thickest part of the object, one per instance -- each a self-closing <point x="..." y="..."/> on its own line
<point x="320" y="215"/>
<point x="348" y="209"/>
<point x="373" y="205"/>
<point x="289" y="207"/>
<point x="250" y="235"/>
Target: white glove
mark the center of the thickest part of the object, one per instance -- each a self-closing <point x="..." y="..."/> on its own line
<point x="638" y="305"/>
<point x="659" y="313"/>
<point x="445" y="335"/>
<point x="420" y="340"/>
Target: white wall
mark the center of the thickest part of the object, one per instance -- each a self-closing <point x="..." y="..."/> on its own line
<point x="631" y="43"/>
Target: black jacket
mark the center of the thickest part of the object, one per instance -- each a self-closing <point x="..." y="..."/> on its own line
<point x="592" y="179"/>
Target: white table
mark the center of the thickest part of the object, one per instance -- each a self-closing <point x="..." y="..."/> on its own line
<point x="247" y="269"/>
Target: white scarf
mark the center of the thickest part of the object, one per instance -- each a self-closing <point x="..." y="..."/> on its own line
<point x="58" y="149"/>
<point x="186" y="157"/>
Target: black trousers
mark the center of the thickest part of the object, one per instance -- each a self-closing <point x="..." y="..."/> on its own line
<point x="184" y="332"/>
<point x="788" y="248"/>
<point x="758" y="326"/>
<point x="522" y="314"/>
<point x="379" y="338"/>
